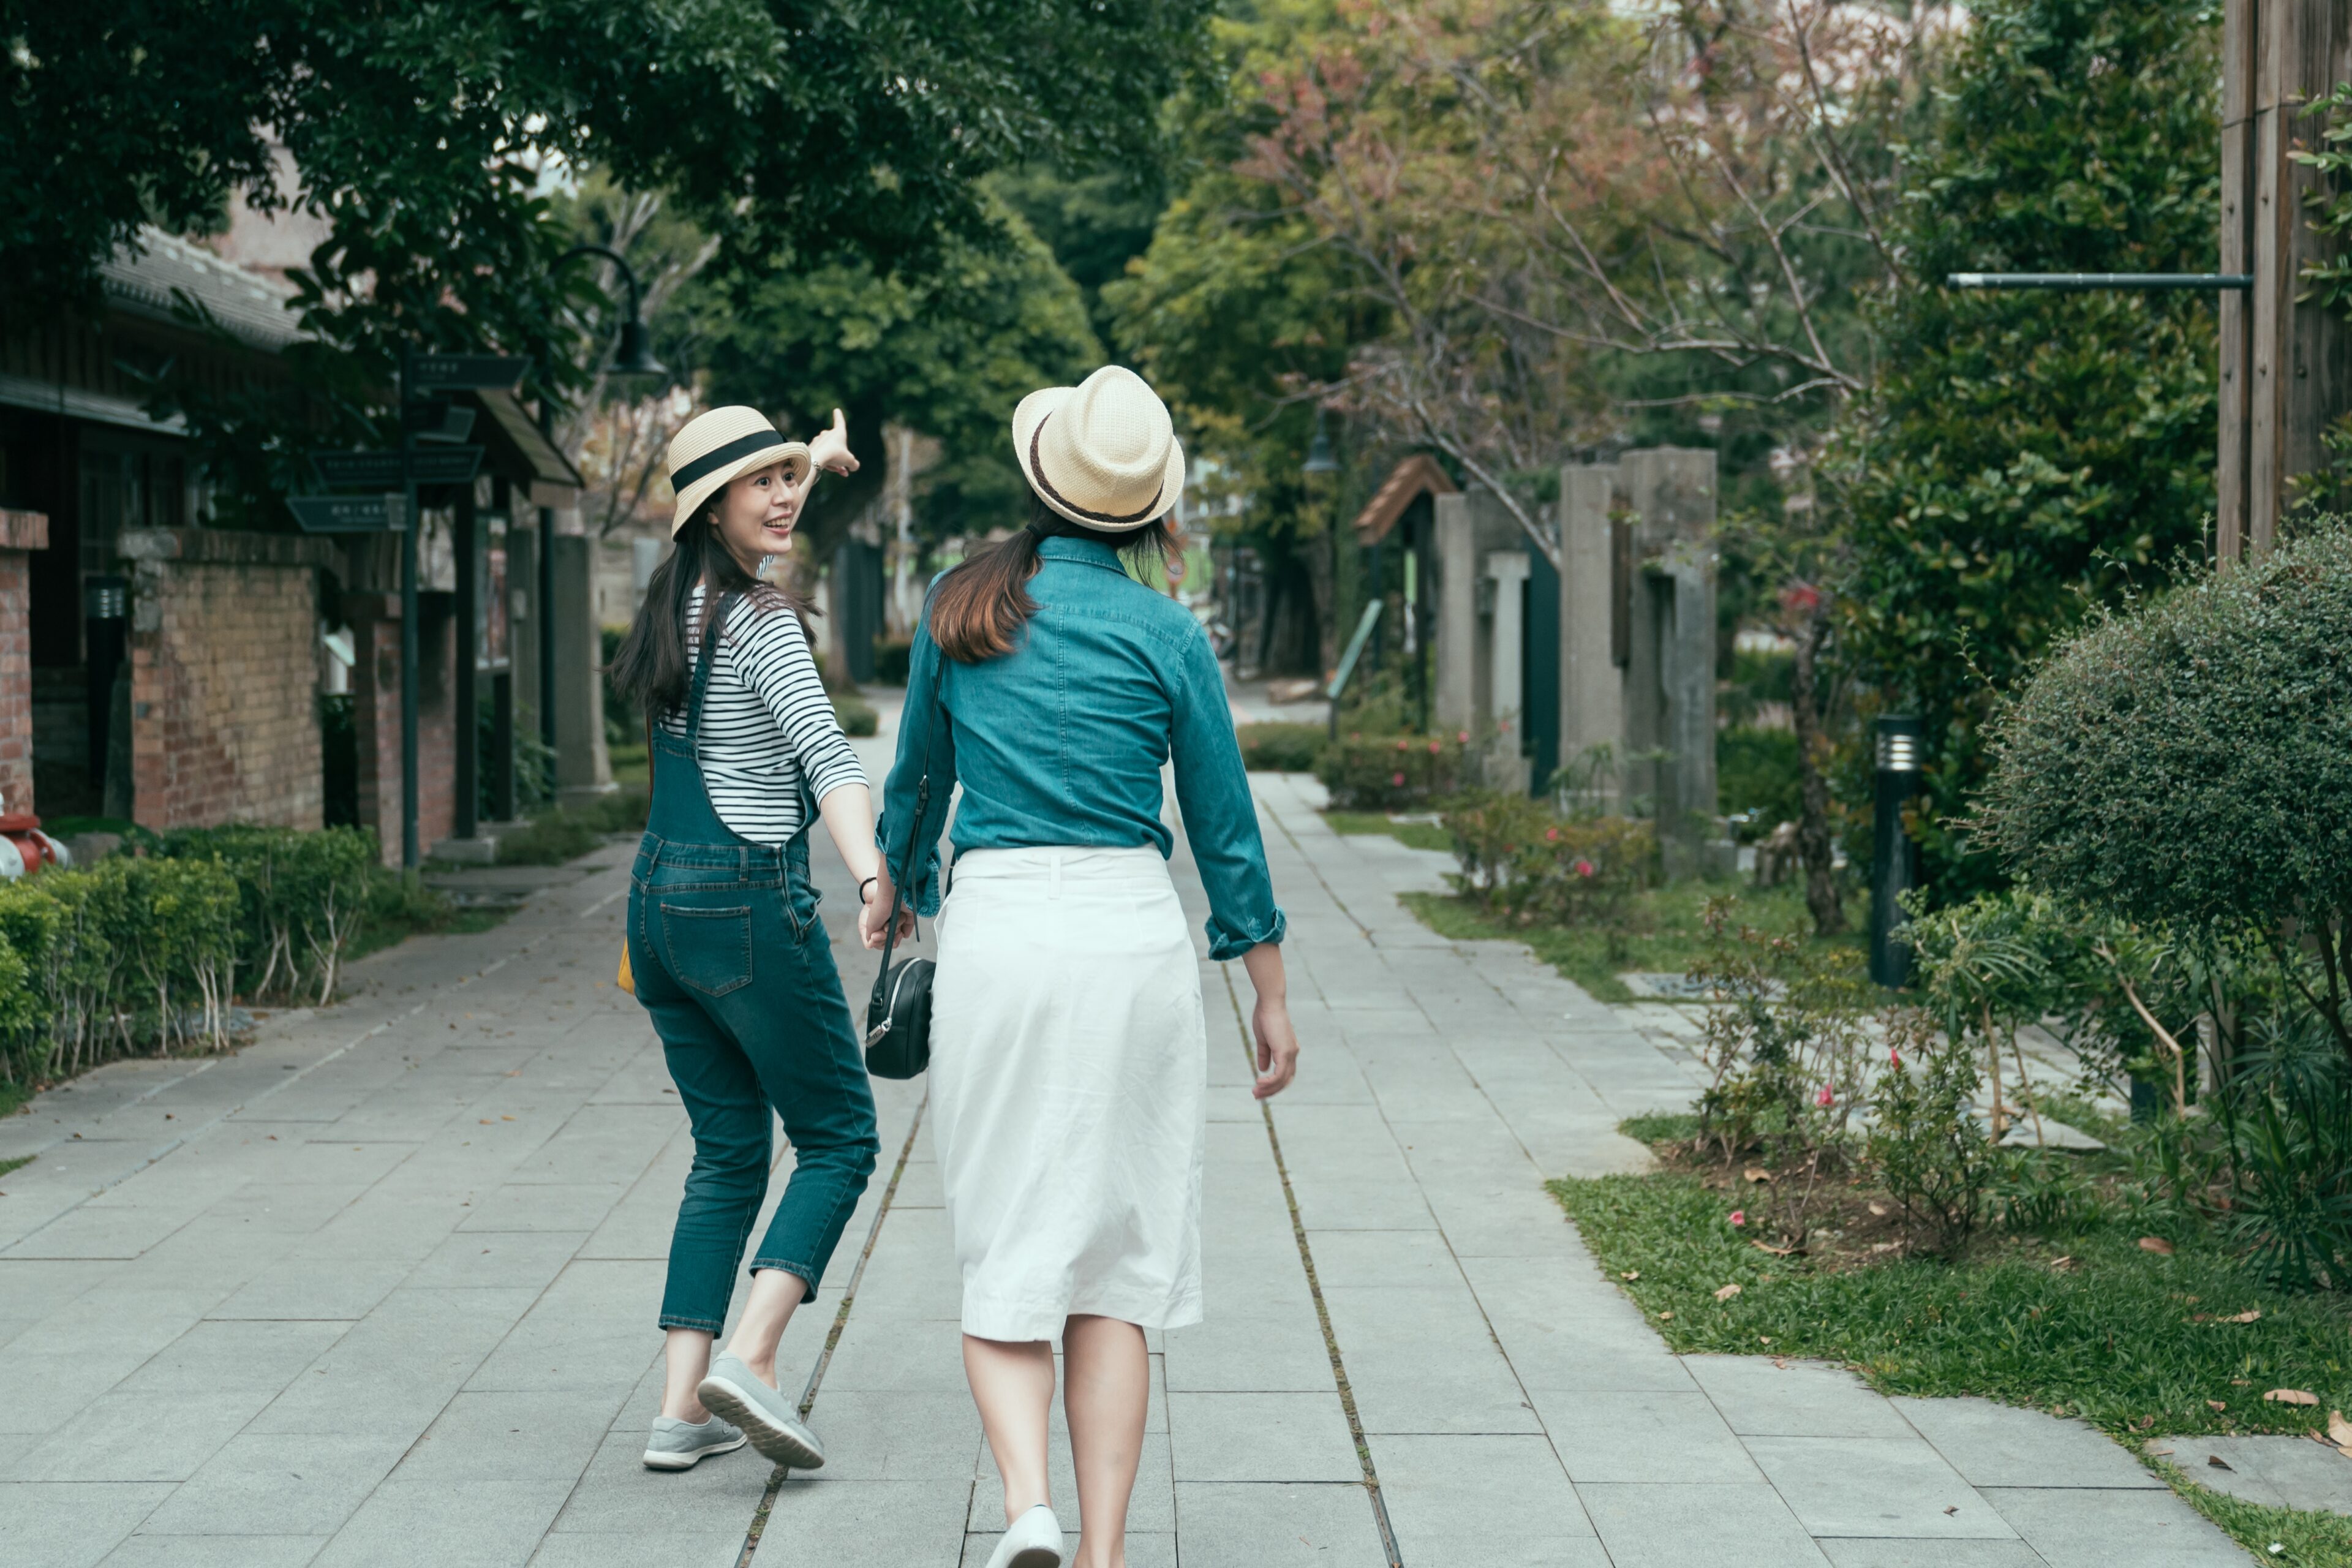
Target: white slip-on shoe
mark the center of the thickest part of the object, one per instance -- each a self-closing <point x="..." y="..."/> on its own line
<point x="677" y="1445"/>
<point x="1033" y="1541"/>
<point x="732" y="1390"/>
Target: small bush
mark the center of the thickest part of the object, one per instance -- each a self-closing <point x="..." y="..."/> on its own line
<point x="301" y="896"/>
<point x="855" y="715"/>
<point x="1280" y="747"/>
<point x="1925" y="1144"/>
<point x="1756" y="774"/>
<point x="1523" y="860"/>
<point x="1393" y="773"/>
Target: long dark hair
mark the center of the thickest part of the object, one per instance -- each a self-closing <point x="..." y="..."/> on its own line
<point x="654" y="668"/>
<point x="981" y="607"/>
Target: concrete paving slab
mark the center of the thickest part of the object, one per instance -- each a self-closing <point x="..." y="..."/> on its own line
<point x="70" y="1524"/>
<point x="1657" y="1438"/>
<point x="670" y="1546"/>
<point x="1503" y="1502"/>
<point x="1866" y="1552"/>
<point x="2000" y="1446"/>
<point x="1262" y="1437"/>
<point x="2081" y="1527"/>
<point x="1688" y="1525"/>
<point x="1874" y="1485"/>
<point x="143" y="1551"/>
<point x="2282" y="1471"/>
<point x="265" y="1484"/>
<point x="1762" y="1397"/>
<point x="1229" y="1525"/>
<point x="914" y="1522"/>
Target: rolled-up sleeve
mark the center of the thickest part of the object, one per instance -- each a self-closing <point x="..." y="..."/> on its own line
<point x="1220" y="818"/>
<point x="901" y="829"/>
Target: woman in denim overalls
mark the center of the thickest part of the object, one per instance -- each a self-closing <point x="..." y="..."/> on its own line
<point x="725" y="946"/>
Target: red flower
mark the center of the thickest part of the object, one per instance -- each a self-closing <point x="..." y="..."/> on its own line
<point x="1432" y="748"/>
<point x="1404" y="745"/>
<point x="1398" y="781"/>
<point x="1553" y="833"/>
<point x="1463" y="738"/>
<point x="1826" y="1097"/>
<point x="1584" y="867"/>
<point x="1739" y="1216"/>
<point x="1895" y="1055"/>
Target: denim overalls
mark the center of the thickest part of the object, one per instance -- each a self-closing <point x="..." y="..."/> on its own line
<point x="731" y="961"/>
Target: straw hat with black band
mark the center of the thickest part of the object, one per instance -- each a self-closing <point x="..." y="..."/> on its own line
<point x="1103" y="453"/>
<point x="721" y="445"/>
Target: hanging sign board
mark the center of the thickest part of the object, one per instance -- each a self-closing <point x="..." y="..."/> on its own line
<point x="348" y="514"/>
<point x="477" y="372"/>
<point x="382" y="470"/>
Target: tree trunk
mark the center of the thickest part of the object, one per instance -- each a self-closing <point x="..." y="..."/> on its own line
<point x="1813" y="845"/>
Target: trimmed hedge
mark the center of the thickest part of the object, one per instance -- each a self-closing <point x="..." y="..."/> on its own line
<point x="2191" y="764"/>
<point x="1525" y="861"/>
<point x="1280" y="746"/>
<point x="149" y="952"/>
<point x="1393" y="773"/>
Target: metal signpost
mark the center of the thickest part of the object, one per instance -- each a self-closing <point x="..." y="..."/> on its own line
<point x="432" y="429"/>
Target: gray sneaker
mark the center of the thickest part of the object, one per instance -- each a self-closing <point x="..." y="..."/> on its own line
<point x="681" y="1444"/>
<point x="734" y="1391"/>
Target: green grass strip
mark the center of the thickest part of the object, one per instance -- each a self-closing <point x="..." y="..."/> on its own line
<point x="2112" y="1336"/>
<point x="2303" y="1539"/>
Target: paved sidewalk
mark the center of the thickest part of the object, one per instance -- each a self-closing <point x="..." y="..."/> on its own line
<point x="380" y="1290"/>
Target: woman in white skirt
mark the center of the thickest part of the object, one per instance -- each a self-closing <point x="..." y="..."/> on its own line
<point x="1068" y="1057"/>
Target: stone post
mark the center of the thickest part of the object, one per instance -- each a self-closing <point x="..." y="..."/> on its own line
<point x="583" y="767"/>
<point x="1592" y="684"/>
<point x="1453" y="684"/>
<point x="1670" y="679"/>
<point x="1507" y="766"/>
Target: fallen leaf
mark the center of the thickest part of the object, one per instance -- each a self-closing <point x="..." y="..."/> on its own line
<point x="2063" y="1265"/>
<point x="1885" y="1246"/>
<point x="1954" y="1509"/>
<point x="2291" y="1396"/>
<point x="505" y="1119"/>
<point x="1881" y="1210"/>
<point x="2143" y="1424"/>
<point x="2156" y="1245"/>
<point x="1664" y="1315"/>
<point x="1726" y="1293"/>
<point x="1631" y="1274"/>
<point x="2215" y="1404"/>
<point x="2340" y="1431"/>
<point x="1763" y="1339"/>
<point x="1756" y="1173"/>
<point x="2216" y="1461"/>
<point x="2152" y="1451"/>
<point x="2240" y="1382"/>
<point x="2248" y="1315"/>
<point x="486" y="1121"/>
<point x="1775" y="1251"/>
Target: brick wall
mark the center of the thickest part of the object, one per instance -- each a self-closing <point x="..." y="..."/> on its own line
<point x="376" y="714"/>
<point x="20" y="532"/>
<point x="225" y="677"/>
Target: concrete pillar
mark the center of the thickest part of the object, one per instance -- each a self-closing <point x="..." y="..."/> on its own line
<point x="21" y="533"/>
<point x="1592" y="683"/>
<point x="1454" y="685"/>
<point x="1507" y="766"/>
<point x="1670" y="676"/>
<point x="523" y="620"/>
<point x="583" y="768"/>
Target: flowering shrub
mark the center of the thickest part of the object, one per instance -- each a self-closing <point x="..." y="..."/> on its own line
<point x="1393" y="773"/>
<point x="1522" y="859"/>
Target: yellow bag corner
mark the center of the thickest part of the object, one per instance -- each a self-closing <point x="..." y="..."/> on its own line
<point x="624" y="980"/>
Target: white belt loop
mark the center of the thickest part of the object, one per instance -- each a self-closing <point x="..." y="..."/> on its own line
<point x="1054" y="873"/>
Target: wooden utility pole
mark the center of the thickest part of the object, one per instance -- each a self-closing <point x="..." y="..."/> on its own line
<point x="2286" y="368"/>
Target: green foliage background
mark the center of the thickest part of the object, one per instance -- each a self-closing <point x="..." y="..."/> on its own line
<point x="2025" y="457"/>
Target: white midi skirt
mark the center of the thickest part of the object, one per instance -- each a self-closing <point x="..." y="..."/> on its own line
<point x="1068" y="1093"/>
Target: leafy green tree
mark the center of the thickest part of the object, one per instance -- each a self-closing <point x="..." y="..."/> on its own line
<point x="2025" y="457"/>
<point x="949" y="351"/>
<point x="793" y="131"/>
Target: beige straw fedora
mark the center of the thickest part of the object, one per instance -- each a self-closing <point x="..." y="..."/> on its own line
<point x="1103" y="453"/>
<point x="715" y="447"/>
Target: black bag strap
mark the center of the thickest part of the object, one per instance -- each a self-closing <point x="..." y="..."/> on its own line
<point x="914" y="836"/>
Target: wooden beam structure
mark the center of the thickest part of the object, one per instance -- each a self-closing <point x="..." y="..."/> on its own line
<point x="2286" y="368"/>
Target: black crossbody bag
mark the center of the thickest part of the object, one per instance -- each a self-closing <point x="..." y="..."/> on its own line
<point x="898" y="1016"/>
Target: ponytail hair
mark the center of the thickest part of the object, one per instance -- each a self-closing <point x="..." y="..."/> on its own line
<point x="981" y="607"/>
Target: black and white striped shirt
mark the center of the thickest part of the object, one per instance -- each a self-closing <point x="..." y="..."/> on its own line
<point x="765" y="719"/>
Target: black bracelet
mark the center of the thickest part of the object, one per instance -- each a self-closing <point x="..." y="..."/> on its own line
<point x="866" y="884"/>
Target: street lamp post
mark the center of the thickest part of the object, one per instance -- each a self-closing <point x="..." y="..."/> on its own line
<point x="1902" y="747"/>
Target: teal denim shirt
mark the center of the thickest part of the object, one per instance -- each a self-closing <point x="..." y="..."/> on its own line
<point x="1062" y="741"/>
